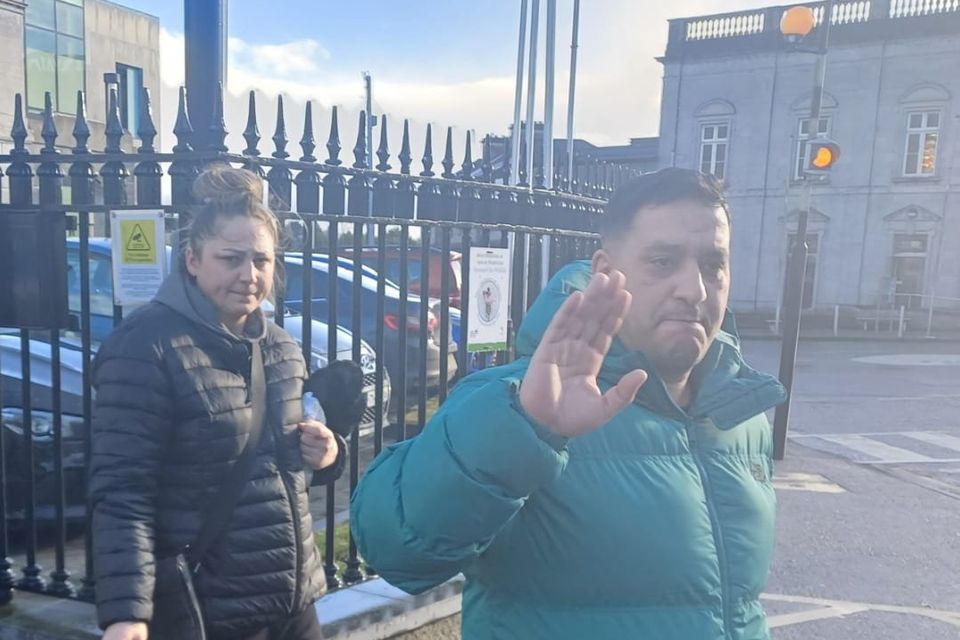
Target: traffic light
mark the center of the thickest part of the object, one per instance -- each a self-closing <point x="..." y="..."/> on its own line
<point x="822" y="154"/>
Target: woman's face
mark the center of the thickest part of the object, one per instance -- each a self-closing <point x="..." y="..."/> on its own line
<point x="235" y="268"/>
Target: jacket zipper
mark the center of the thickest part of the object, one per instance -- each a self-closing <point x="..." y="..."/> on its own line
<point x="294" y="511"/>
<point x="715" y="526"/>
<point x="298" y="545"/>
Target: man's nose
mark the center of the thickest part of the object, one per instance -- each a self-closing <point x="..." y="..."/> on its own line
<point x="690" y="286"/>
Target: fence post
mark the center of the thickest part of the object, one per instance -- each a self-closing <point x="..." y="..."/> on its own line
<point x="836" y="320"/>
<point x="19" y="172"/>
<point x="147" y="173"/>
<point x="930" y="318"/>
<point x="384" y="191"/>
<point x="49" y="174"/>
<point x="903" y="312"/>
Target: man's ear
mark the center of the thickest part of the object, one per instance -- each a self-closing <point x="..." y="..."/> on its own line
<point x="601" y="262"/>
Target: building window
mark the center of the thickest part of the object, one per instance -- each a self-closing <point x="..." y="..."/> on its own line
<point x="714" y="143"/>
<point x="130" y="94"/>
<point x="923" y="133"/>
<point x="804" y="129"/>
<point x="54" y="53"/>
<point x="810" y="272"/>
<point x="909" y="268"/>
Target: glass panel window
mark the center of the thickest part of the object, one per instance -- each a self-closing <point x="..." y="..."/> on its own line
<point x="923" y="136"/>
<point x="70" y="20"/>
<point x="41" y="66"/>
<point x="910" y="243"/>
<point x="803" y="134"/>
<point x="69" y="72"/>
<point x="714" y="140"/>
<point x="54" y="53"/>
<point x="41" y="13"/>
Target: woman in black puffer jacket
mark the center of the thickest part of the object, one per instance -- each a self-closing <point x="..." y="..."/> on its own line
<point x="172" y="413"/>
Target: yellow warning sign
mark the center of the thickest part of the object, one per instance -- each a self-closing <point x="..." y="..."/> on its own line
<point x="135" y="238"/>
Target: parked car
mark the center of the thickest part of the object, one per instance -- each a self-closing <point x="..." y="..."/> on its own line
<point x="392" y="269"/>
<point x="369" y="319"/>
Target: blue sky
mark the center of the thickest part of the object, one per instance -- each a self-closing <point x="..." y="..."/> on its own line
<point x="445" y="62"/>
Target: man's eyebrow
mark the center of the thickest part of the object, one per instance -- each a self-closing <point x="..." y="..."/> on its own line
<point x="664" y="247"/>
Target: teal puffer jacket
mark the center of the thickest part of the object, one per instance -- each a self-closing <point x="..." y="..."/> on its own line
<point x="657" y="525"/>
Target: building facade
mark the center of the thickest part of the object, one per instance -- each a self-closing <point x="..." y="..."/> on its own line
<point x="884" y="225"/>
<point x="65" y="46"/>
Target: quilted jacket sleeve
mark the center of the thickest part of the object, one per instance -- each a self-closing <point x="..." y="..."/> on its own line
<point x="131" y="426"/>
<point x="428" y="506"/>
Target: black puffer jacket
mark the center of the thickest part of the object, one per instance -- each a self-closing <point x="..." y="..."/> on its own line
<point x="172" y="414"/>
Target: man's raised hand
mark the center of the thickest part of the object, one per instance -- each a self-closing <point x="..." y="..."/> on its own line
<point x="559" y="390"/>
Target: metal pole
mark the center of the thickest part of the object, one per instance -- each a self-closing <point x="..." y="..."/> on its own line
<point x="797" y="264"/>
<point x="532" y="86"/>
<point x="518" y="99"/>
<point x="205" y="62"/>
<point x="571" y="92"/>
<point x="549" y="82"/>
<point x="548" y="107"/>
<point x="368" y="90"/>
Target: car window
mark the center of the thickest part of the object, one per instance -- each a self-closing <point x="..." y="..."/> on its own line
<point x="101" y="284"/>
<point x="393" y="271"/>
<point x="293" y="283"/>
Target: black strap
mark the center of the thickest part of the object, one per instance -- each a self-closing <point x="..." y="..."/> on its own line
<point x="224" y="502"/>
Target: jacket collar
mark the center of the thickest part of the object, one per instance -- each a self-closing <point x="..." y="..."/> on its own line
<point x="180" y="293"/>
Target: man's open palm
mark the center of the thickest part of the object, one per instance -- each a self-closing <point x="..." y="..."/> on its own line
<point x="560" y="388"/>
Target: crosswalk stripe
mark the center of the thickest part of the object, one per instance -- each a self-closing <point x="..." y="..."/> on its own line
<point x="937" y="438"/>
<point x="881" y="452"/>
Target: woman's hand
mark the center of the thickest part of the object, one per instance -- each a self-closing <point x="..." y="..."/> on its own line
<point x="318" y="446"/>
<point x="126" y="631"/>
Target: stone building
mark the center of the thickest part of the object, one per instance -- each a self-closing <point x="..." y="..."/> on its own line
<point x="63" y="46"/>
<point x="885" y="223"/>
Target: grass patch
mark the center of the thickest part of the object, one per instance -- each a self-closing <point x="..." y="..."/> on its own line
<point x="341" y="543"/>
<point x="412" y="417"/>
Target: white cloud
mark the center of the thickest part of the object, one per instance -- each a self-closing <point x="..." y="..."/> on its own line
<point x="618" y="83"/>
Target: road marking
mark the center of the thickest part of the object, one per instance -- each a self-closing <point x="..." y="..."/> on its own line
<point x="937" y="438"/>
<point x="881" y="452"/>
<point x="840" y="608"/>
<point x="805" y="482"/>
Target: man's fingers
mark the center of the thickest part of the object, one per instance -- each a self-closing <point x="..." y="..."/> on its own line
<point x="617" y="398"/>
<point x="560" y="326"/>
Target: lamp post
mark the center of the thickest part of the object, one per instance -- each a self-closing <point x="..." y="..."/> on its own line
<point x="796" y="24"/>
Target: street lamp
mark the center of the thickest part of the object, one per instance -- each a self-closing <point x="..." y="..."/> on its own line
<point x="796" y="24"/>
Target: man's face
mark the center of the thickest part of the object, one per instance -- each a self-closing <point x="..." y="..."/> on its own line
<point x="676" y="259"/>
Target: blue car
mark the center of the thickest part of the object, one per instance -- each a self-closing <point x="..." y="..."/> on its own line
<point x="390" y="319"/>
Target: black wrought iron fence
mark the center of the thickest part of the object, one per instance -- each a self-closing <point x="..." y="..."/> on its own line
<point x="377" y="267"/>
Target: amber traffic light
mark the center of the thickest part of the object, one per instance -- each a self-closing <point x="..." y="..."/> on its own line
<point x="823" y="154"/>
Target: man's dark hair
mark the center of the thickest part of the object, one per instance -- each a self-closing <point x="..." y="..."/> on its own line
<point x="660" y="187"/>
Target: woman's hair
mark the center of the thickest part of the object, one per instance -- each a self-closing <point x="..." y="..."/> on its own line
<point x="225" y="192"/>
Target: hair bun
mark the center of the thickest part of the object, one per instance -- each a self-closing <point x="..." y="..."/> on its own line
<point x="225" y="186"/>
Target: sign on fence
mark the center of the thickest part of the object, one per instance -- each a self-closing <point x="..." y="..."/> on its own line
<point x="489" y="307"/>
<point x="139" y="255"/>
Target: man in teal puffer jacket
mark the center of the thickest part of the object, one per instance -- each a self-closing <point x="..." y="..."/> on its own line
<point x="615" y="480"/>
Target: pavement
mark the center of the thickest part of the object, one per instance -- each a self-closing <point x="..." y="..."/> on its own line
<point x="868" y="533"/>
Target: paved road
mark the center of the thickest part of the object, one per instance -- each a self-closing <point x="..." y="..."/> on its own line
<point x="892" y="405"/>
